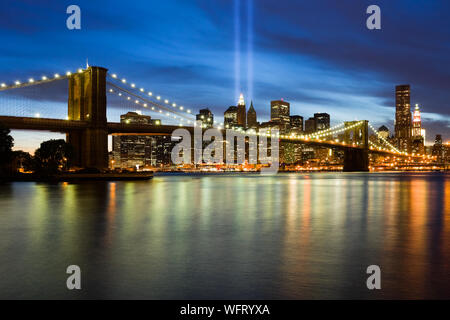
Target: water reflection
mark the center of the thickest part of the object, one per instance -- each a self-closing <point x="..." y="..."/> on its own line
<point x="290" y="236"/>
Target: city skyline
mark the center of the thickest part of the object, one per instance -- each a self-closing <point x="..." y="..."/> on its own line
<point x="332" y="66"/>
<point x="220" y="157"/>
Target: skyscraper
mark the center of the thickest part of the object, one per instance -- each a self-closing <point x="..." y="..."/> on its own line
<point x="418" y="139"/>
<point x="296" y="123"/>
<point x="241" y="112"/>
<point x="322" y="121"/>
<point x="417" y="122"/>
<point x="310" y="125"/>
<point x="141" y="150"/>
<point x="403" y="126"/>
<point x="438" y="148"/>
<point x="230" y="117"/>
<point x="280" y="111"/>
<point x="383" y="132"/>
<point x="251" y="117"/>
<point x="206" y="117"/>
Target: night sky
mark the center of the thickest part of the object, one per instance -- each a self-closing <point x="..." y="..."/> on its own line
<point x="318" y="55"/>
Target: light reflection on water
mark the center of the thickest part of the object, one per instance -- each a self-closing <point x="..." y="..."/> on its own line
<point x="291" y="236"/>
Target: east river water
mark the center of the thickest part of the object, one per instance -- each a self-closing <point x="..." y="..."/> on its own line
<point x="289" y="236"/>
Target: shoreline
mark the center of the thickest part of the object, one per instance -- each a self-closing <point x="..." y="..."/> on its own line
<point x="145" y="176"/>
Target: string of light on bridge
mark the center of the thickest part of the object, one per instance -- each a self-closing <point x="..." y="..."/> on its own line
<point x="31" y="81"/>
<point x="181" y="114"/>
<point x="374" y="146"/>
<point x="309" y="137"/>
<point x="385" y="141"/>
<point x="151" y="106"/>
<point x="138" y="100"/>
<point x="145" y="103"/>
<point x="141" y="90"/>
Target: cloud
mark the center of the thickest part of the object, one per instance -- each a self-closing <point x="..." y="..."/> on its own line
<point x="316" y="54"/>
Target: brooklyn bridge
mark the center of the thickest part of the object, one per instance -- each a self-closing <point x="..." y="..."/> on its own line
<point x="87" y="127"/>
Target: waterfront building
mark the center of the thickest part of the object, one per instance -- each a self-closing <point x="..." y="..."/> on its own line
<point x="241" y="112"/>
<point x="322" y="121"/>
<point x="131" y="151"/>
<point x="383" y="132"/>
<point x="296" y="123"/>
<point x="403" y="125"/>
<point x="206" y="117"/>
<point x="439" y="149"/>
<point x="230" y="117"/>
<point x="310" y="125"/>
<point x="418" y="134"/>
<point x="280" y="112"/>
<point x="251" y="117"/>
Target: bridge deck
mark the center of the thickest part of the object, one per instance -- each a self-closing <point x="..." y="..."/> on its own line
<point x="115" y="128"/>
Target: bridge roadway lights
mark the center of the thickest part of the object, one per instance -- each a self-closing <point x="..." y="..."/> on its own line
<point x="87" y="102"/>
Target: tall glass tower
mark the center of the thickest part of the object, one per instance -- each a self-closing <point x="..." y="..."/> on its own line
<point x="403" y="125"/>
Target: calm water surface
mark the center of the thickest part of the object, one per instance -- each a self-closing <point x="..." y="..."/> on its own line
<point x="291" y="236"/>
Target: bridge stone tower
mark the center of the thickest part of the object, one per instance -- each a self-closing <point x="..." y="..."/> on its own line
<point x="87" y="102"/>
<point x="357" y="159"/>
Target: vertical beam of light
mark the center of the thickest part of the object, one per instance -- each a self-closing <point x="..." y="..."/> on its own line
<point x="237" y="49"/>
<point x="249" y="50"/>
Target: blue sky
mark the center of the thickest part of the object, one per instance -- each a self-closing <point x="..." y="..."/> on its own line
<point x="318" y="55"/>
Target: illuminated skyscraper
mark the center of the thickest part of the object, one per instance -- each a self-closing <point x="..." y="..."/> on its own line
<point x="140" y="150"/>
<point x="230" y="117"/>
<point x="310" y="125"/>
<point x="417" y="122"/>
<point x="418" y="134"/>
<point x="297" y="123"/>
<point x="403" y="126"/>
<point x="438" y="148"/>
<point x="279" y="111"/>
<point x="251" y="117"/>
<point x="241" y="112"/>
<point x="206" y="117"/>
<point x="322" y="121"/>
<point x="383" y="132"/>
<point x="280" y="114"/>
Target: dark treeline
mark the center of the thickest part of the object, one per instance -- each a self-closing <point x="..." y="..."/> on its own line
<point x="52" y="157"/>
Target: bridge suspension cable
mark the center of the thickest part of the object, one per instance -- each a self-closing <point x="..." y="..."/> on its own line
<point x="385" y="141"/>
<point x="327" y="132"/>
<point x="33" y="81"/>
<point x="146" y="103"/>
<point x="179" y="109"/>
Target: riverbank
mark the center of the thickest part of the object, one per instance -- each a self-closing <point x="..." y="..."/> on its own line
<point x="108" y="176"/>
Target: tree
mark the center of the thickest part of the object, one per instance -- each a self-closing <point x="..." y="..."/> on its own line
<point x="53" y="156"/>
<point x="6" y="144"/>
<point x="22" y="160"/>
